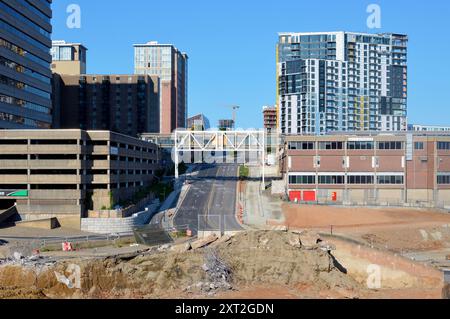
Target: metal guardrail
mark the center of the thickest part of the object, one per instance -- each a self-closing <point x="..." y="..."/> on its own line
<point x="43" y="241"/>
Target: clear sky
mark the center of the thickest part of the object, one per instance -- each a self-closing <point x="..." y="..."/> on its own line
<point x="231" y="45"/>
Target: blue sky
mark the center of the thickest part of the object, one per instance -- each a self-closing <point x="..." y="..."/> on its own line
<point x="231" y="45"/>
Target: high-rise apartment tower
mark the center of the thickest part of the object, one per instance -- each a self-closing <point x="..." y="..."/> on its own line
<point x="171" y="66"/>
<point x="341" y="81"/>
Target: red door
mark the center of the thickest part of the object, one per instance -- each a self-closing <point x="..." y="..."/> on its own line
<point x="309" y="196"/>
<point x="334" y="196"/>
<point x="295" y="196"/>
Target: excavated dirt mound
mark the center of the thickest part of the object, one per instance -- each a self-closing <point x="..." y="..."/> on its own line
<point x="280" y="258"/>
<point x="276" y="258"/>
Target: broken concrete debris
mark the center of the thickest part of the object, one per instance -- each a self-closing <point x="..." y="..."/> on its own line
<point x="219" y="273"/>
<point x="204" y="242"/>
<point x="30" y="261"/>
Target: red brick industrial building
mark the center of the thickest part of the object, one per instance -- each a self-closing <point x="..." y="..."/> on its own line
<point x="364" y="169"/>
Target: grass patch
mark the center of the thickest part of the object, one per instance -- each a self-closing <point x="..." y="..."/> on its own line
<point x="244" y="172"/>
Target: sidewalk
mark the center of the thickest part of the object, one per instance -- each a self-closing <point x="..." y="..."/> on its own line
<point x="168" y="209"/>
<point x="260" y="206"/>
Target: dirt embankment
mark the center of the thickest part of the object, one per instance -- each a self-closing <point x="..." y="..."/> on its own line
<point x="395" y="229"/>
<point x="265" y="258"/>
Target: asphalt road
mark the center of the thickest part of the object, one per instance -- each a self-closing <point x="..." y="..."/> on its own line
<point x="210" y="203"/>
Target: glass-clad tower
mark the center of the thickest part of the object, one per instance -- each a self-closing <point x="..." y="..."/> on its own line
<point x="341" y="81"/>
<point x="25" y="76"/>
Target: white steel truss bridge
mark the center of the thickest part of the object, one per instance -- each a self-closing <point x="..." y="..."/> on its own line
<point x="235" y="142"/>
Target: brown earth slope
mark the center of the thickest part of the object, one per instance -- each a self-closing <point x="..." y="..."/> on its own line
<point x="275" y="259"/>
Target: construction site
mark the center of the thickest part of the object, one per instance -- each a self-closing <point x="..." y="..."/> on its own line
<point x="274" y="249"/>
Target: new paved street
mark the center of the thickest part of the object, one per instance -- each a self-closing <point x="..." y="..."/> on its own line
<point x="211" y="199"/>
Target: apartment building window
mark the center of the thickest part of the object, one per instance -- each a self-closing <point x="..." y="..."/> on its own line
<point x="301" y="145"/>
<point x="360" y="145"/>
<point x="332" y="179"/>
<point x="443" y="146"/>
<point x="62" y="53"/>
<point x="303" y="180"/>
<point x="390" y="145"/>
<point x="23" y="86"/>
<point x="443" y="179"/>
<point x="331" y="145"/>
<point x="360" y="180"/>
<point x="418" y="145"/>
<point x="390" y="180"/>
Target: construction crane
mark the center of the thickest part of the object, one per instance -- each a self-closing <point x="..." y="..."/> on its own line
<point x="235" y="108"/>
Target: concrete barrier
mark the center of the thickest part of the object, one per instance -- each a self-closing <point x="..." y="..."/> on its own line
<point x="48" y="223"/>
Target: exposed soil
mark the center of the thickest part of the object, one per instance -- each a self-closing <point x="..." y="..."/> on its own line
<point x="262" y="265"/>
<point x="274" y="259"/>
<point x="304" y="216"/>
<point x="394" y="229"/>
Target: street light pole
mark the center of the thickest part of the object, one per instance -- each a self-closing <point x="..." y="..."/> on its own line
<point x="264" y="161"/>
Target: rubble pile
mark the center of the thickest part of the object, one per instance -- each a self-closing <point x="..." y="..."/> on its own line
<point x="219" y="273"/>
<point x="17" y="259"/>
<point x="209" y="266"/>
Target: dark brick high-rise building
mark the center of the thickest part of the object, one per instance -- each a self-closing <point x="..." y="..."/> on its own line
<point x="127" y="104"/>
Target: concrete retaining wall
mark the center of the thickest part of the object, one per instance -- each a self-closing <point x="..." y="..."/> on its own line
<point x="118" y="225"/>
<point x="64" y="220"/>
<point x="49" y="223"/>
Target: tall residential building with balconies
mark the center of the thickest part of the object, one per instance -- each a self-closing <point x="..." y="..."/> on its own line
<point x="341" y="81"/>
<point x="25" y="76"/>
<point x="68" y="58"/>
<point x="171" y="65"/>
